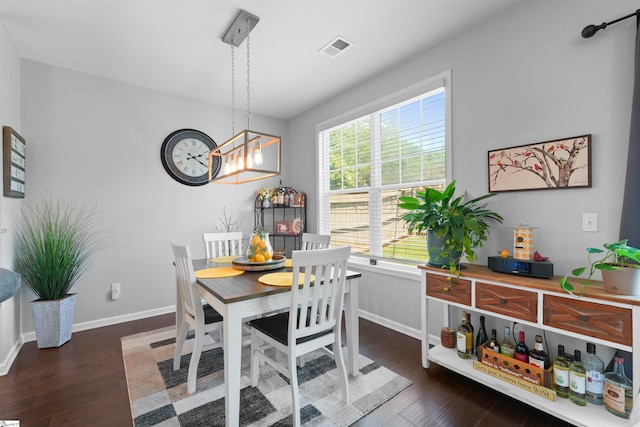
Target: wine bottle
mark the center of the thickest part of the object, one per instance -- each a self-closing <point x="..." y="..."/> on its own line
<point x="618" y="390"/>
<point x="506" y="346"/>
<point x="595" y="375"/>
<point x="537" y="356"/>
<point x="493" y="343"/>
<point x="578" y="380"/>
<point x="561" y="374"/>
<point x="522" y="351"/>
<point x="481" y="338"/>
<point x="473" y="332"/>
<point x="464" y="338"/>
<point x="280" y="195"/>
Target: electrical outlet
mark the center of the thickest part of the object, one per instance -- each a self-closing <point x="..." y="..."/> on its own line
<point x="115" y="291"/>
<point x="589" y="222"/>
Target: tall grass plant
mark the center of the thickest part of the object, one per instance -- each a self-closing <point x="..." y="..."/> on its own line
<point x="55" y="242"/>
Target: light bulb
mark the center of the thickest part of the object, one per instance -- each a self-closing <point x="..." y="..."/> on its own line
<point x="250" y="158"/>
<point x="257" y="157"/>
<point x="240" y="161"/>
<point x="227" y="165"/>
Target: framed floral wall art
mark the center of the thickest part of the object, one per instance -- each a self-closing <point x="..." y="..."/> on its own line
<point x="550" y="165"/>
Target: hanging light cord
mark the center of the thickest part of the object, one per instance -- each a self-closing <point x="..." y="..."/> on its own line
<point x="233" y="92"/>
<point x="248" y="76"/>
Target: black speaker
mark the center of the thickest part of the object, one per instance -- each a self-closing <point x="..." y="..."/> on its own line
<point x="521" y="267"/>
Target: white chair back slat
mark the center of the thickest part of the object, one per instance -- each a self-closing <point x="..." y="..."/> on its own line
<point x="222" y="244"/>
<point x="310" y="242"/>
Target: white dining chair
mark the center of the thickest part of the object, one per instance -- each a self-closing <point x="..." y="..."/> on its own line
<point x="315" y="241"/>
<point x="313" y="321"/>
<point x="222" y="244"/>
<point x="196" y="316"/>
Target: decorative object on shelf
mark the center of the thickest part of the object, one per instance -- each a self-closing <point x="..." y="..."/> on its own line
<point x="249" y="155"/>
<point x="283" y="227"/>
<point x="266" y="195"/>
<point x="523" y="241"/>
<point x="562" y="163"/>
<point x="14" y="155"/>
<point x="185" y="157"/>
<point x="296" y="226"/>
<point x="71" y="236"/>
<point x="299" y="200"/>
<point x="619" y="265"/>
<point x="453" y="228"/>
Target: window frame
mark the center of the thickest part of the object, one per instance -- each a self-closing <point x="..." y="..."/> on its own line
<point x="441" y="80"/>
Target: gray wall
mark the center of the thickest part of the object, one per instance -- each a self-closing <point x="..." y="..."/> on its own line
<point x="525" y="77"/>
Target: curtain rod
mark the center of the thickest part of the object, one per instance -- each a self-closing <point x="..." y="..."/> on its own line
<point x="590" y="30"/>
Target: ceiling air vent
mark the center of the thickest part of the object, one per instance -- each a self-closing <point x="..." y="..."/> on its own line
<point x="336" y="46"/>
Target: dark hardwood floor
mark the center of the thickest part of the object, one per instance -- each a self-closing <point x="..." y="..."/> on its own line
<point x="83" y="383"/>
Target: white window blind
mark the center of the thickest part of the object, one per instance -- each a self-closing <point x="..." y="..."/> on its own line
<point x="367" y="162"/>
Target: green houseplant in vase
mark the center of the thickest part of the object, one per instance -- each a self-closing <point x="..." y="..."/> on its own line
<point x="619" y="264"/>
<point x="55" y="242"/>
<point x="454" y="227"/>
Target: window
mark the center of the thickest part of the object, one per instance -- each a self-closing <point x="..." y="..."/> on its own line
<point x="370" y="158"/>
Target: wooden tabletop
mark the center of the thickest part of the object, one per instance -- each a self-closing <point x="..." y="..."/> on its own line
<point x="245" y="286"/>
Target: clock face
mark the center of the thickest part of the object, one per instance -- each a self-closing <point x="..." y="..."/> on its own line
<point x="185" y="157"/>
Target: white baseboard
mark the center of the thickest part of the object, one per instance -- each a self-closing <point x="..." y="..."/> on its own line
<point x="398" y="327"/>
<point x="77" y="327"/>
<point x="11" y="356"/>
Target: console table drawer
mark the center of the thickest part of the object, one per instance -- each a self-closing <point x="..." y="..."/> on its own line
<point x="588" y="318"/>
<point x="440" y="287"/>
<point x="508" y="301"/>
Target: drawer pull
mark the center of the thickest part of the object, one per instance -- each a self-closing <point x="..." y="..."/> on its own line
<point x="503" y="301"/>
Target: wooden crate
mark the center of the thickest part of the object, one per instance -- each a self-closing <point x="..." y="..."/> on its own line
<point x="524" y="371"/>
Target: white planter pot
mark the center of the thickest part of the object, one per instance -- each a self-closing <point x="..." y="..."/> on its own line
<point x="53" y="321"/>
<point x="625" y="281"/>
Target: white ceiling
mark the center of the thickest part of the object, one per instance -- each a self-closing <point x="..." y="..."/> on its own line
<point x="174" y="45"/>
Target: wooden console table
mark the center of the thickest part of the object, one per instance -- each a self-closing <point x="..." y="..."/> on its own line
<point x="598" y="317"/>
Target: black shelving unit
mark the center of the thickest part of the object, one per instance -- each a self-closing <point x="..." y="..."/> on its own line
<point x="281" y="221"/>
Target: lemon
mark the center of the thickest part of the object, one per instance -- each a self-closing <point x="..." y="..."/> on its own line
<point x="267" y="255"/>
<point x="259" y="258"/>
<point x="262" y="244"/>
<point x="255" y="240"/>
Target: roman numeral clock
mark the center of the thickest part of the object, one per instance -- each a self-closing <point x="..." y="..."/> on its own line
<point x="185" y="156"/>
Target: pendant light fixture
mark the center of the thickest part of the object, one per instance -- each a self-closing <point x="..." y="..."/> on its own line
<point x="249" y="155"/>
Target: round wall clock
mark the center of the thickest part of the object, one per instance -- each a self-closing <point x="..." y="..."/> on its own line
<point x="185" y="157"/>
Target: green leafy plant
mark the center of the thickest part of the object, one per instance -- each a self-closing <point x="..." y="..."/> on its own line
<point x="612" y="257"/>
<point x="54" y="244"/>
<point x="461" y="225"/>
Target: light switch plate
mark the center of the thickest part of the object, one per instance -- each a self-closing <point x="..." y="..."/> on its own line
<point x="590" y="222"/>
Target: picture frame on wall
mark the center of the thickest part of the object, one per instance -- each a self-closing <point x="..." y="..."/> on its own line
<point x="550" y="165"/>
<point x="14" y="163"/>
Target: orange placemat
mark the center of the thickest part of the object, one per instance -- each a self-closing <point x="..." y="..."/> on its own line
<point x="217" y="273"/>
<point x="281" y="279"/>
<point x="224" y="258"/>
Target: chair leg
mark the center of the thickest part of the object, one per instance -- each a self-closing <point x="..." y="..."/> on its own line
<point x="255" y="363"/>
<point x="182" y="336"/>
<point x="295" y="393"/>
<point x="195" y="360"/>
<point x="342" y="369"/>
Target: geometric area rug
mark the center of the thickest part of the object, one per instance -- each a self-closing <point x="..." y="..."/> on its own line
<point x="158" y="396"/>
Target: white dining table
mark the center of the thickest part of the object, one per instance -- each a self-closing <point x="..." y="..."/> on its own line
<point x="243" y="297"/>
